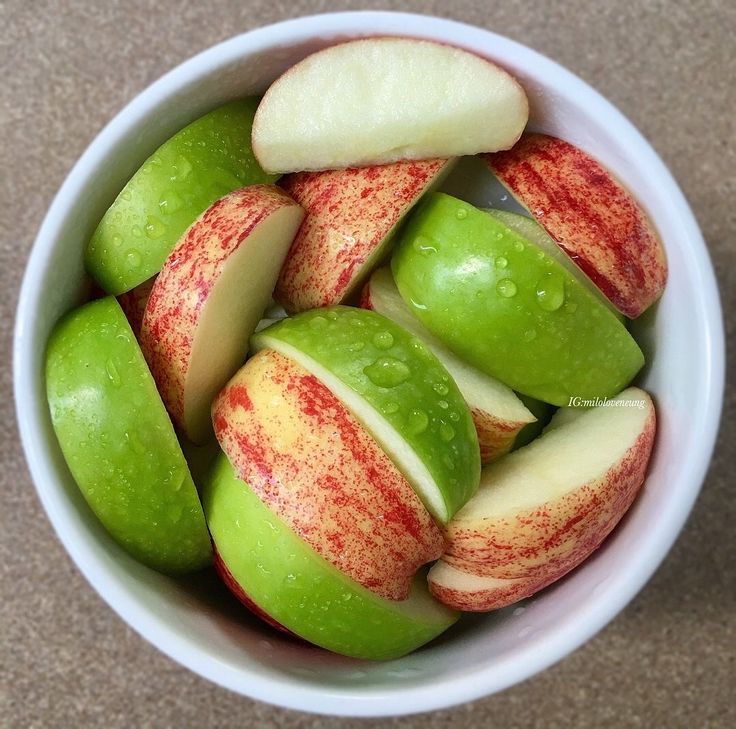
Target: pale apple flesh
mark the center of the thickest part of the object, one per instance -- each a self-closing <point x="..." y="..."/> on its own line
<point x="544" y="508"/>
<point x="379" y="100"/>
<point x="591" y="216"/>
<point x="315" y="466"/>
<point x="351" y="217"/>
<point x="209" y="298"/>
<point x="497" y="412"/>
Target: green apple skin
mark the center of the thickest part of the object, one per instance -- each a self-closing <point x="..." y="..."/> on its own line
<point x="504" y="305"/>
<point x="292" y="584"/>
<point x="535" y="233"/>
<point x="118" y="440"/>
<point x="542" y="411"/>
<point x="200" y="164"/>
<point x="400" y="379"/>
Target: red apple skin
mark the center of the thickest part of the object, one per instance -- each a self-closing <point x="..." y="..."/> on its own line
<point x="133" y="303"/>
<point x="558" y="535"/>
<point x="232" y="585"/>
<point x="350" y="216"/>
<point x="590" y="215"/>
<point x="182" y="288"/>
<point x="308" y="459"/>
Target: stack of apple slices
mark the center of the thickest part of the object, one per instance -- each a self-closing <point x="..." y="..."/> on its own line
<point x="343" y="445"/>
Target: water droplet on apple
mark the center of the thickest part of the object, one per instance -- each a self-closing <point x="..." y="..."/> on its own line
<point x="501" y="262"/>
<point x="390" y="407"/>
<point x="117" y="240"/>
<point x="448" y="461"/>
<point x="447" y="432"/>
<point x="182" y="169"/>
<point x="530" y="335"/>
<point x="444" y="404"/>
<point x="170" y="202"/>
<point x="417" y="421"/>
<point x="461" y="213"/>
<point x="154" y="227"/>
<point x="440" y="388"/>
<point x="125" y="195"/>
<point x="134" y="258"/>
<point x="356" y="346"/>
<point x="112" y="373"/>
<point x="387" y="372"/>
<point x="175" y="511"/>
<point x="550" y="292"/>
<point x="506" y="288"/>
<point x="518" y="246"/>
<point x="454" y="415"/>
<point x="136" y="231"/>
<point x="383" y="340"/>
<point x="318" y="322"/>
<point x="424" y="245"/>
<point x="417" y="304"/>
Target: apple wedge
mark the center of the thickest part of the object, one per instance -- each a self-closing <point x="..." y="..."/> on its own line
<point x="590" y="215"/>
<point x="133" y="303"/>
<point x="314" y="465"/>
<point x="379" y="100"/>
<point x="541" y="510"/>
<point x="183" y="177"/>
<point x="498" y="413"/>
<point x="502" y="304"/>
<point x="282" y="577"/>
<point x="351" y="217"/>
<point x="118" y="440"/>
<point x="397" y="389"/>
<point x="209" y="297"/>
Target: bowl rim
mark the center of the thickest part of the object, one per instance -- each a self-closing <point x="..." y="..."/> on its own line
<point x="351" y="701"/>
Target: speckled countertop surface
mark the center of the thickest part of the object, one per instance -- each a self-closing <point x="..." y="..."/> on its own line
<point x="65" y="658"/>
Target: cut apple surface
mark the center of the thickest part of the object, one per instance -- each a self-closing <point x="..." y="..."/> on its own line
<point x="543" y="509"/>
<point x="502" y="304"/>
<point x="498" y="413"/>
<point x="351" y="216"/>
<point x="590" y="215"/>
<point x="209" y="298"/>
<point x="285" y="578"/>
<point x="118" y="440"/>
<point x="133" y="303"/>
<point x="379" y="100"/>
<point x="315" y="466"/>
<point x="199" y="164"/>
<point x="397" y="389"/>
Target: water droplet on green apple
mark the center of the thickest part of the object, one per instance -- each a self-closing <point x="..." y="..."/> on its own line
<point x="387" y="372"/>
<point x="136" y="231"/>
<point x="417" y="421"/>
<point x="175" y="511"/>
<point x="461" y="213"/>
<point x="117" y="240"/>
<point x="440" y="388"/>
<point x="506" y="288"/>
<point x="448" y="460"/>
<point x="154" y="227"/>
<point x="383" y="340"/>
<point x="112" y="373"/>
<point x="182" y="169"/>
<point x="501" y="262"/>
<point x="454" y="415"/>
<point x="530" y="335"/>
<point x="444" y="404"/>
<point x="126" y="195"/>
<point x="424" y="245"/>
<point x="550" y="292"/>
<point x="134" y="258"/>
<point x="318" y="322"/>
<point x="390" y="407"/>
<point x="356" y="346"/>
<point x="170" y="202"/>
<point x="518" y="246"/>
<point x="447" y="432"/>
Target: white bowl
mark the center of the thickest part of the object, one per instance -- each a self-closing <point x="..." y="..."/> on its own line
<point x="194" y="624"/>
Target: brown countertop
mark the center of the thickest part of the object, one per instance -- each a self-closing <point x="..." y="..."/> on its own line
<point x="67" y="661"/>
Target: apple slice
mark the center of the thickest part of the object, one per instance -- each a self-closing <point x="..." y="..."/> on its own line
<point x="133" y="303"/>
<point x="475" y="593"/>
<point x="397" y="389"/>
<point x="284" y="578"/>
<point x="378" y="100"/>
<point x="499" y="415"/>
<point x="351" y="217"/>
<point x="182" y="178"/>
<point x="209" y="297"/>
<point x="118" y="440"/>
<point x="534" y="232"/>
<point x="313" y="464"/>
<point x="541" y="510"/>
<point x="499" y="302"/>
<point x="591" y="216"/>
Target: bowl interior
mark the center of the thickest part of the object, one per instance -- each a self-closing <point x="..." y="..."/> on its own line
<point x="196" y="621"/>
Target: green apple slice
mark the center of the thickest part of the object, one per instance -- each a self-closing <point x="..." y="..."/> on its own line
<point x="292" y="584"/>
<point x="534" y="232"/>
<point x="397" y="389"/>
<point x="499" y="301"/>
<point x="118" y="441"/>
<point x="198" y="165"/>
<point x="542" y="411"/>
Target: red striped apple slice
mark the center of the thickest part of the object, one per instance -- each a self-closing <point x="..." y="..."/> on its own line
<point x="315" y="466"/>
<point x="543" y="509"/>
<point x="351" y="216"/>
<point x="590" y="215"/>
<point x="209" y="297"/>
<point x="498" y="413"/>
<point x="379" y="100"/>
